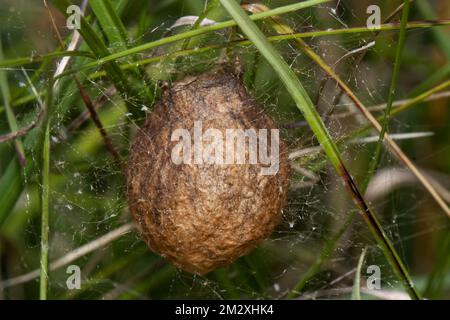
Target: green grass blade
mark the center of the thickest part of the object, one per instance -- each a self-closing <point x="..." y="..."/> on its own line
<point x="356" y="292"/>
<point x="110" y="23"/>
<point x="117" y="37"/>
<point x="45" y="191"/>
<point x="304" y="103"/>
<point x="38" y="58"/>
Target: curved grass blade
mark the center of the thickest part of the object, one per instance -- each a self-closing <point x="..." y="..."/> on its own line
<point x="356" y="291"/>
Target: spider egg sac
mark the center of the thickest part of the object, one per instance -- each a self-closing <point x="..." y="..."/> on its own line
<point x="207" y="174"/>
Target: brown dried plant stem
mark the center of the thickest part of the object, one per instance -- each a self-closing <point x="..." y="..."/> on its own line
<point x="23" y="131"/>
<point x="95" y="118"/>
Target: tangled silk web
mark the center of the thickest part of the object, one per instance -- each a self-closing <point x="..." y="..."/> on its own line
<point x="87" y="186"/>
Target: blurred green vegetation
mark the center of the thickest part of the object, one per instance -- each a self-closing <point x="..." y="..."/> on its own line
<point x="86" y="184"/>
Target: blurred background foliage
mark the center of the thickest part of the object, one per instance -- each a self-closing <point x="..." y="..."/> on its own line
<point x="87" y="187"/>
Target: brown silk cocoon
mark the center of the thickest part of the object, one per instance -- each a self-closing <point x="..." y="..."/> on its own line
<point x="201" y="216"/>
